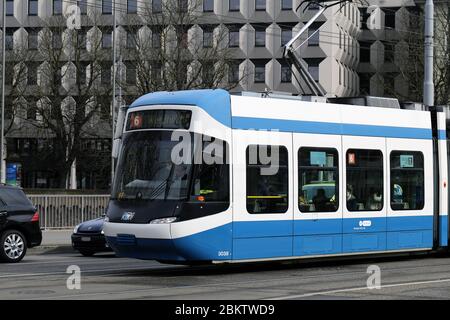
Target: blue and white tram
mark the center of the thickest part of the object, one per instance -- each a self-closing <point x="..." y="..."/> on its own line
<point x="348" y="180"/>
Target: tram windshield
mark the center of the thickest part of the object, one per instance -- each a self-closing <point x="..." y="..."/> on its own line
<point x="146" y="171"/>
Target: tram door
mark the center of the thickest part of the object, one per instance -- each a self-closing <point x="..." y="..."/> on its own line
<point x="365" y="194"/>
<point x="262" y="194"/>
<point x="410" y="206"/>
<point x="318" y="200"/>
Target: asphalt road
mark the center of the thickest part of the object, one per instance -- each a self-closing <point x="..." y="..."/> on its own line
<point x="43" y="276"/>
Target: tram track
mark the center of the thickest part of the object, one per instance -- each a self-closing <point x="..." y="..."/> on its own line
<point x="263" y="284"/>
<point x="231" y="268"/>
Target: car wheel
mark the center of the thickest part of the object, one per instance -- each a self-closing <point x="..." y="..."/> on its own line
<point x="13" y="246"/>
<point x="87" y="253"/>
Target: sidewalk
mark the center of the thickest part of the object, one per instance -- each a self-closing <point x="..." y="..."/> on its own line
<point x="51" y="238"/>
<point x="54" y="241"/>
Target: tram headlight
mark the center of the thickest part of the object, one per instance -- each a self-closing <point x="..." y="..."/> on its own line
<point x="163" y="220"/>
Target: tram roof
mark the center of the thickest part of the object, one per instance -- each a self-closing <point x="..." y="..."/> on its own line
<point x="216" y="102"/>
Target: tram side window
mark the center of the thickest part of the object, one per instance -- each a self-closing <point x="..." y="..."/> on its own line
<point x="364" y="190"/>
<point x="318" y="180"/>
<point x="267" y="179"/>
<point x="407" y="180"/>
<point x="211" y="177"/>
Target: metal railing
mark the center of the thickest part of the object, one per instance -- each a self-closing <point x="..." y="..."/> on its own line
<point x="66" y="211"/>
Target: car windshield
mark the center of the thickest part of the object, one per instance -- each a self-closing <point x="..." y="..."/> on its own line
<point x="146" y="171"/>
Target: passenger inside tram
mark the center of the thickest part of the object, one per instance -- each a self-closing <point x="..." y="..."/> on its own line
<point x="351" y="199"/>
<point x="320" y="200"/>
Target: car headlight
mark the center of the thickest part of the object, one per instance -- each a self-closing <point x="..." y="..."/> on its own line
<point x="164" y="220"/>
<point x="106" y="219"/>
<point x="103" y="232"/>
<point x="75" y="230"/>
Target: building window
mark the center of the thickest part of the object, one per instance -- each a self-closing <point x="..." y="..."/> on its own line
<point x="107" y="6"/>
<point x="234" y="5"/>
<point x="364" y="51"/>
<point x="207" y="39"/>
<point x="314" y="6"/>
<point x="156" y="6"/>
<point x="106" y="74"/>
<point x="364" y="180"/>
<point x="56" y="40"/>
<point x="286" y="74"/>
<point x="31" y="110"/>
<point x="286" y="5"/>
<point x="208" y="72"/>
<point x="407" y="180"/>
<point x="32" y="74"/>
<point x="313" y="69"/>
<point x="267" y="193"/>
<point x="233" y="38"/>
<point x="33" y="40"/>
<point x="234" y="73"/>
<point x="131" y="40"/>
<point x="9" y="40"/>
<point x="260" y="5"/>
<point x="389" y="52"/>
<point x="81" y="39"/>
<point x="313" y="35"/>
<point x="260" y="73"/>
<point x="157" y="72"/>
<point x="183" y="40"/>
<point x="9" y="74"/>
<point x="132" y="6"/>
<point x="260" y="38"/>
<point x="208" y="5"/>
<point x="57" y="7"/>
<point x="32" y="7"/>
<point x="82" y="75"/>
<point x="389" y="19"/>
<point x="9" y="7"/>
<point x="183" y="5"/>
<point x="106" y="40"/>
<point x="57" y="77"/>
<point x="131" y="74"/>
<point x="318" y="180"/>
<point x="82" y="4"/>
<point x="156" y="40"/>
<point x="286" y="36"/>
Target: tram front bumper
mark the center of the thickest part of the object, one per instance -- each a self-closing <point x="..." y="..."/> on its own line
<point x="141" y="241"/>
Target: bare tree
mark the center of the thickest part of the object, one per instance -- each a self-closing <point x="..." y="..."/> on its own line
<point x="16" y="76"/>
<point x="171" y="48"/>
<point x="410" y="61"/>
<point x="73" y="91"/>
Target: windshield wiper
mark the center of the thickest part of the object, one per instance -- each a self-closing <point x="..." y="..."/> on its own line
<point x="162" y="187"/>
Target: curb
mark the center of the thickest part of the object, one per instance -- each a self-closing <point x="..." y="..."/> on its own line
<point x="52" y="249"/>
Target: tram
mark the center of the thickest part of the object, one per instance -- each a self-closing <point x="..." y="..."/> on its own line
<point x="208" y="176"/>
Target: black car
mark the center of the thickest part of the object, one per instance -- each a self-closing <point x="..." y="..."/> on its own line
<point x="19" y="224"/>
<point x="88" y="237"/>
